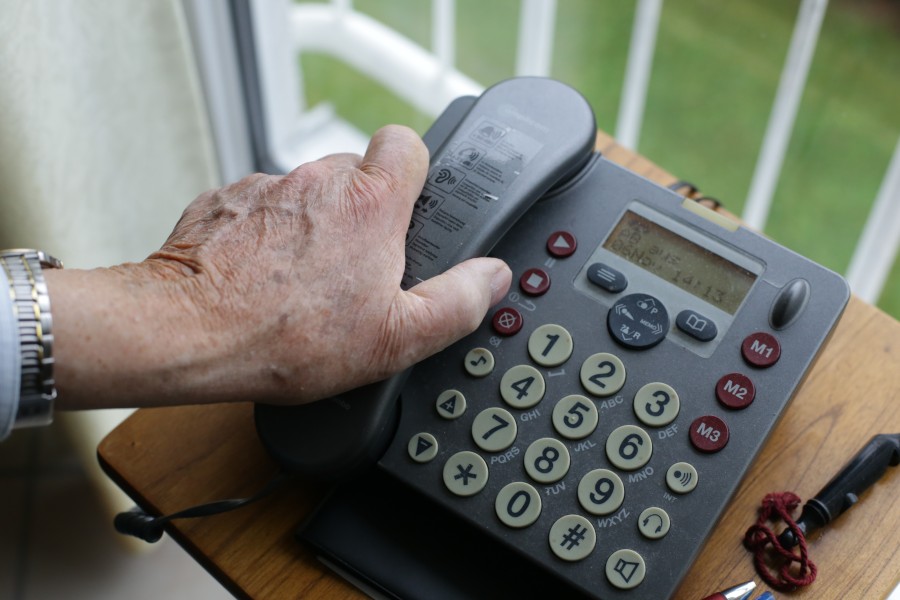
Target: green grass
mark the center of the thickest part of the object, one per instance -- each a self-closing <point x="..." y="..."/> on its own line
<point x="715" y="72"/>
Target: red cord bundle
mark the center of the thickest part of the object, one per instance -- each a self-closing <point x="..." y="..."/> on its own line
<point x="773" y="561"/>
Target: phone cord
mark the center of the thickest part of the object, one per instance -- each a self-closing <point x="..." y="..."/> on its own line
<point x="773" y="561"/>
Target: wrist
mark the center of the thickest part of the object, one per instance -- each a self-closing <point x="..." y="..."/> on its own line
<point x="125" y="336"/>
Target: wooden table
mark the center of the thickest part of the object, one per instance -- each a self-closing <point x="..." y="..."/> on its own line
<point x="168" y="459"/>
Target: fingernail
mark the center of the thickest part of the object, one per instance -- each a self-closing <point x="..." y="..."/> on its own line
<point x="500" y="283"/>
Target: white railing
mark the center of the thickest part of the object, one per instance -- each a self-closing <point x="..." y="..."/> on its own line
<point x="428" y="80"/>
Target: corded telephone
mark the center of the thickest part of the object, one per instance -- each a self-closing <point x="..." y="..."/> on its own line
<point x="597" y="423"/>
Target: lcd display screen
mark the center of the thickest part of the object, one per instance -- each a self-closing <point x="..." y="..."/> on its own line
<point x="680" y="261"/>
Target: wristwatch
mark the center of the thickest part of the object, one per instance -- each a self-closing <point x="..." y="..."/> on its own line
<point x="31" y="303"/>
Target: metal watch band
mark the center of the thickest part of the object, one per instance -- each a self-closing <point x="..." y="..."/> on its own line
<point x="31" y="303"/>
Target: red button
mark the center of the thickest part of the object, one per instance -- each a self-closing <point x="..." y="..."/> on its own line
<point x="507" y="321"/>
<point x="561" y="244"/>
<point x="761" y="349"/>
<point x="735" y="390"/>
<point x="709" y="433"/>
<point x="534" y="282"/>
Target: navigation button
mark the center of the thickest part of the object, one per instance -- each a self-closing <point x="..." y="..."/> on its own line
<point x="607" y="278"/>
<point x="638" y="321"/>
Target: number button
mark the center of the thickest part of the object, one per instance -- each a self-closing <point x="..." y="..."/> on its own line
<point x="494" y="429"/>
<point x="603" y="374"/>
<point x="550" y="345"/>
<point x="575" y="417"/>
<point x="629" y="447"/>
<point x="451" y="404"/>
<point x="600" y="492"/>
<point x="572" y="537"/>
<point x="522" y="386"/>
<point x="479" y="362"/>
<point x="465" y="473"/>
<point x="656" y="404"/>
<point x="518" y="505"/>
<point x="547" y="460"/>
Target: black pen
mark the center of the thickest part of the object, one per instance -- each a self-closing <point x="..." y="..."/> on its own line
<point x="738" y="592"/>
<point x="844" y="489"/>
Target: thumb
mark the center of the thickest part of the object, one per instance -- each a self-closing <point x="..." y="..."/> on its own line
<point x="447" y="307"/>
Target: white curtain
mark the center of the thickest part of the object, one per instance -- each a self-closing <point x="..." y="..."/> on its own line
<point x="104" y="140"/>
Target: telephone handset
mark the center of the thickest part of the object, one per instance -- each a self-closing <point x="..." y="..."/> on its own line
<point x="597" y="423"/>
<point x="492" y="157"/>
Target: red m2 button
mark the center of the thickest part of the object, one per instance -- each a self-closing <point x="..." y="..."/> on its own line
<point x="709" y="433"/>
<point x="761" y="349"/>
<point x="735" y="390"/>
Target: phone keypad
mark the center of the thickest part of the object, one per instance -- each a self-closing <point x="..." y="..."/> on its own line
<point x="613" y="402"/>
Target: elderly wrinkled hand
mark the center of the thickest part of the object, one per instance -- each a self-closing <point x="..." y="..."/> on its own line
<point x="282" y="289"/>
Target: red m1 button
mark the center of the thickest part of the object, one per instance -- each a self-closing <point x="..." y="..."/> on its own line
<point x="761" y="349"/>
<point x="709" y="433"/>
